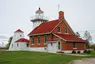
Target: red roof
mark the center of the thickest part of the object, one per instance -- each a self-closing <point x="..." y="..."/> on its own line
<point x="69" y="37"/>
<point x="45" y="27"/>
<point x="39" y="11"/>
<point x="22" y="40"/>
<point x="19" y="30"/>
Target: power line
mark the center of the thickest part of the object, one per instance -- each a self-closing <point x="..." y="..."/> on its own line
<point x="87" y="30"/>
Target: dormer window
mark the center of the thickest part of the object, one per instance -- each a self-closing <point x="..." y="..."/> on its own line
<point x="59" y="30"/>
<point x="66" y="30"/>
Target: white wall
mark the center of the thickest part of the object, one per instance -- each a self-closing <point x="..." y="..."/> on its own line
<point x="17" y="35"/>
<point x="19" y="46"/>
<point x="36" y="23"/>
<point x="40" y="49"/>
<point x="22" y="46"/>
<point x="52" y="47"/>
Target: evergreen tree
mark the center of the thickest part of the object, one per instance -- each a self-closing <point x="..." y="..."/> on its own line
<point x="9" y="42"/>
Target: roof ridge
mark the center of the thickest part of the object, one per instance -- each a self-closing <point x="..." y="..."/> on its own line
<point x="50" y="21"/>
<point x="57" y="24"/>
<point x="46" y="22"/>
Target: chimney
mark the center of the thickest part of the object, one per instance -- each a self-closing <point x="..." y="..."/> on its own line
<point x="61" y="15"/>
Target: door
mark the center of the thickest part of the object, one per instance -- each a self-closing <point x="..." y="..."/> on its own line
<point x="59" y="46"/>
<point x="52" y="47"/>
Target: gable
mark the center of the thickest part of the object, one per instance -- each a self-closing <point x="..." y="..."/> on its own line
<point x="63" y="25"/>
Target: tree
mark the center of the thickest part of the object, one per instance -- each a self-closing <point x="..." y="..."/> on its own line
<point x="87" y="36"/>
<point x="93" y="46"/>
<point x="9" y="42"/>
<point x="77" y="34"/>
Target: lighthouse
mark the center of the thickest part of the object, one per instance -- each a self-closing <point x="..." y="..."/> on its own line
<point x="38" y="18"/>
<point x="17" y="35"/>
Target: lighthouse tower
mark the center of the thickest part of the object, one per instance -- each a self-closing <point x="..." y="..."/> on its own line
<point x="38" y="18"/>
<point x="17" y="35"/>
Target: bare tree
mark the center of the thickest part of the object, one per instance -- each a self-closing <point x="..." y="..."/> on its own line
<point x="87" y="36"/>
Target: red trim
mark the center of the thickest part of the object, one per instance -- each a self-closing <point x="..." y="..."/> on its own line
<point x="23" y="40"/>
<point x="19" y="30"/>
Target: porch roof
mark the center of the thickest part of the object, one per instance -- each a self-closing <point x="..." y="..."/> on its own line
<point x="69" y="37"/>
<point x="22" y="40"/>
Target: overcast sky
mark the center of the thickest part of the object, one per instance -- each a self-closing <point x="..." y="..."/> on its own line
<point x="15" y="14"/>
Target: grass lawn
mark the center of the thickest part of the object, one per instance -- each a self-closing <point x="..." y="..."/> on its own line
<point x="26" y="57"/>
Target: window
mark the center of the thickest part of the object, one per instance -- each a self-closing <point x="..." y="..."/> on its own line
<point x="59" y="29"/>
<point x="58" y="45"/>
<point x="17" y="44"/>
<point x="32" y="39"/>
<point x="74" y="45"/>
<point x="51" y="44"/>
<point x="66" y="30"/>
<point x="26" y="45"/>
<point x="38" y="39"/>
<point x="45" y="39"/>
<point x="45" y="48"/>
<point x="20" y="35"/>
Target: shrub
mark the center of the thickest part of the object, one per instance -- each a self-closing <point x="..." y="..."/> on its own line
<point x="85" y="51"/>
<point x="88" y="52"/>
<point x="78" y="52"/>
<point x="93" y="46"/>
<point x="74" y="51"/>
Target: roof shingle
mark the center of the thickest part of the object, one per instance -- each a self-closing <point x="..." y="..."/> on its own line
<point x="69" y="37"/>
<point x="22" y="40"/>
<point x="45" y="27"/>
<point x="19" y="30"/>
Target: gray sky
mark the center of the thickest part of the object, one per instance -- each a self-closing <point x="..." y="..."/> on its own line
<point x="14" y="14"/>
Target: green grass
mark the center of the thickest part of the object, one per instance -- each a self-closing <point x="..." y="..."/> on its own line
<point x="26" y="57"/>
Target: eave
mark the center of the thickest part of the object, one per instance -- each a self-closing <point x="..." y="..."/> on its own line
<point x="67" y="40"/>
<point x="39" y="34"/>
